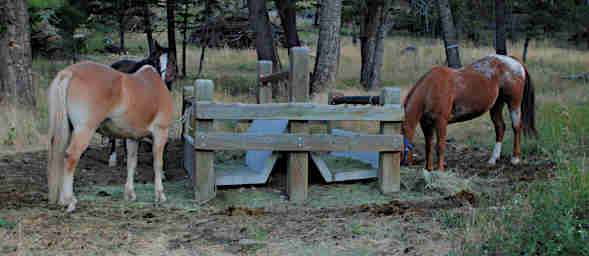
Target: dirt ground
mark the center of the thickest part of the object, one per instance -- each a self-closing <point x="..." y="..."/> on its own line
<point x="349" y="218"/>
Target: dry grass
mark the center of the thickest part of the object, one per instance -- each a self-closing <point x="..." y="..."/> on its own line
<point x="234" y="73"/>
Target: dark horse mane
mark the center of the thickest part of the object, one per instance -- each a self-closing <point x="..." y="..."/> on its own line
<point x="130" y="66"/>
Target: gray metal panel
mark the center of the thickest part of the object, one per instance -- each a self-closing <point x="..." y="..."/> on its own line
<point x="255" y="159"/>
<point x="367" y="157"/>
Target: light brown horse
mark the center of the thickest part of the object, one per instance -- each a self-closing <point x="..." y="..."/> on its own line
<point x="444" y="96"/>
<point x="87" y="97"/>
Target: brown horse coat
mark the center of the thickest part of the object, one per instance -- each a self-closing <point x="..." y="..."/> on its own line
<point x="444" y="96"/>
<point x="89" y="97"/>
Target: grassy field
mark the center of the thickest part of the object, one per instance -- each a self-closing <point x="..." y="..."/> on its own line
<point x="549" y="217"/>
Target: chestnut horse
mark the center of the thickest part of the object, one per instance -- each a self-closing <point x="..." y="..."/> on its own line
<point x="130" y="67"/>
<point x="444" y="96"/>
<point x="88" y="97"/>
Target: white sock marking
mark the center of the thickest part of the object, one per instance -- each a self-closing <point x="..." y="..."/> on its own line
<point x="496" y="153"/>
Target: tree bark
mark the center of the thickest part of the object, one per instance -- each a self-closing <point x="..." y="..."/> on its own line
<point x="500" y="42"/>
<point x="288" y="19"/>
<point x="184" y="38"/>
<point x="147" y="24"/>
<point x="122" y="23"/>
<point x="525" y="53"/>
<point x="16" y="81"/>
<point x="170" y="11"/>
<point x="449" y="34"/>
<point x="260" y="23"/>
<point x="317" y="13"/>
<point x="374" y="22"/>
<point x="328" y="46"/>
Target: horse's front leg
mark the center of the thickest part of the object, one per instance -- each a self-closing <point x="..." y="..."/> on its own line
<point x="441" y="126"/>
<point x="79" y="142"/>
<point x="132" y="146"/>
<point x="159" y="142"/>
<point x="428" y="132"/>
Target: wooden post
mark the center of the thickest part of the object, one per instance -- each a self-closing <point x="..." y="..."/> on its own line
<point x="205" y="187"/>
<point x="298" y="162"/>
<point x="264" y="89"/>
<point x="331" y="124"/>
<point x="389" y="171"/>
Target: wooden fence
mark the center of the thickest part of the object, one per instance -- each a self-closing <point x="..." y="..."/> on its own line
<point x="298" y="142"/>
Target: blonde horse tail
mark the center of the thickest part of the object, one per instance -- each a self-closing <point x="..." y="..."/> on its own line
<point x="59" y="134"/>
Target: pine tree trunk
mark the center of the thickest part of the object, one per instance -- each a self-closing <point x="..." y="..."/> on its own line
<point x="147" y="24"/>
<point x="525" y="53"/>
<point x="500" y="42"/>
<point x="260" y="23"/>
<point x="374" y="23"/>
<point x="328" y="48"/>
<point x="449" y="34"/>
<point x="184" y="39"/>
<point x="16" y="81"/>
<point x="170" y="11"/>
<point x="288" y="19"/>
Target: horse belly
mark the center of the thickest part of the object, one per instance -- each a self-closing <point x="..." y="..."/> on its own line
<point x="461" y="113"/>
<point x="112" y="128"/>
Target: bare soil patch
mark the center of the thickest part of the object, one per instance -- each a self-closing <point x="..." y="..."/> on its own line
<point x="349" y="218"/>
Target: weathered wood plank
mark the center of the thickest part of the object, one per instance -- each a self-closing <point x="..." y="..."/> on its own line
<point x="298" y="111"/>
<point x="205" y="187"/>
<point x="297" y="176"/>
<point x="298" y="142"/>
<point x="389" y="171"/>
<point x="264" y="89"/>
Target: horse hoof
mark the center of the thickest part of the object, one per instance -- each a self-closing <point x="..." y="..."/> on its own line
<point x="71" y="206"/>
<point x="515" y="161"/>
<point x="130" y="196"/>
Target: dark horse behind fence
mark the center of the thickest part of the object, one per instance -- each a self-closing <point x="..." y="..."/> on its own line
<point x="130" y="67"/>
<point x="444" y="96"/>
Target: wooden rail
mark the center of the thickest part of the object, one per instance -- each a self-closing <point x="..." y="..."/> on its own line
<point x="298" y="142"/>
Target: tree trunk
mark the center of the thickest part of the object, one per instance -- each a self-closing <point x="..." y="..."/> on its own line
<point x="374" y="22"/>
<point x="500" y="42"/>
<point x="260" y="23"/>
<point x="328" y="48"/>
<point x="16" y="81"/>
<point x="147" y="24"/>
<point x="526" y="43"/>
<point x="122" y="23"/>
<point x="170" y="11"/>
<point x="317" y="13"/>
<point x="288" y="19"/>
<point x="449" y="34"/>
<point x="184" y="38"/>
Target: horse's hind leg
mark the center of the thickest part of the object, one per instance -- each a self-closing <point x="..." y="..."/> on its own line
<point x="79" y="142"/>
<point x="441" y="130"/>
<point x="497" y="118"/>
<point x="132" y="146"/>
<point x="428" y="132"/>
<point x="112" y="157"/>
<point x="516" y="124"/>
<point x="159" y="141"/>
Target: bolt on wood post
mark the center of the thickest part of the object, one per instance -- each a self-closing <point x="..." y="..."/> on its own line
<point x="264" y="89"/>
<point x="205" y="187"/>
<point x="332" y="124"/>
<point x="298" y="162"/>
<point x="389" y="169"/>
